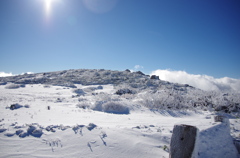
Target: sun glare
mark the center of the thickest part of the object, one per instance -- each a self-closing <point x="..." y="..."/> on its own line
<point x="49" y="6"/>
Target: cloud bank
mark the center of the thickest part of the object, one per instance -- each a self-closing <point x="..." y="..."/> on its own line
<point x="203" y="82"/>
<point x="4" y="74"/>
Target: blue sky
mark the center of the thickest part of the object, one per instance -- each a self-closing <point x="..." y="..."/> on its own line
<point x="196" y="36"/>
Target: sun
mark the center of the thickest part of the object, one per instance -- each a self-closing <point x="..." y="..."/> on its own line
<point x="48" y="6"/>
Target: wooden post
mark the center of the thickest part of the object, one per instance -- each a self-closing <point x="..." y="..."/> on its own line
<point x="218" y="118"/>
<point x="183" y="141"/>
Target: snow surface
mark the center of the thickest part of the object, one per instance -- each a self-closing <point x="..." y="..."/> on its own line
<point x="56" y="121"/>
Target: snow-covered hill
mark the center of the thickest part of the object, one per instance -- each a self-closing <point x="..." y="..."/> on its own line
<point x="88" y="77"/>
<point x="103" y="113"/>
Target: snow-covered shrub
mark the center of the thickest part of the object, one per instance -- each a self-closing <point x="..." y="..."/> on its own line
<point x="3" y="83"/>
<point x="65" y="84"/>
<point x="124" y="91"/>
<point x="110" y="103"/>
<point x="104" y="97"/>
<point x="163" y="100"/>
<point x="47" y="86"/>
<point x="90" y="89"/>
<point x="83" y="105"/>
<point x="97" y="105"/>
<point x="14" y="86"/>
<point x="82" y="99"/>
<point x="215" y="100"/>
<point x="115" y="107"/>
<point x="99" y="87"/>
<point x="27" y="106"/>
<point x="79" y="92"/>
<point x="152" y="100"/>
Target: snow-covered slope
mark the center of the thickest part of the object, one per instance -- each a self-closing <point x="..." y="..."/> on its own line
<point x="91" y="120"/>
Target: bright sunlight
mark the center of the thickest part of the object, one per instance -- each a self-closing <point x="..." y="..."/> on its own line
<point x="48" y="4"/>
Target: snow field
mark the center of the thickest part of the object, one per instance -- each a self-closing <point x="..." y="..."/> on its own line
<point x="69" y="131"/>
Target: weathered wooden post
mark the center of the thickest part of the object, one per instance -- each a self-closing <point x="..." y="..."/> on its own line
<point x="218" y="118"/>
<point x="183" y="141"/>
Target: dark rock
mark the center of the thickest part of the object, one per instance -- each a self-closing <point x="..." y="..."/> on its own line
<point x="139" y="72"/>
<point x="2" y="130"/>
<point x="18" y="132"/>
<point x="37" y="133"/>
<point x="15" y="106"/>
<point x="23" y="134"/>
<point x="31" y="129"/>
<point x="91" y="126"/>
<point x="12" y="107"/>
<point x="154" y="77"/>
<point x="34" y="131"/>
<point x="183" y="141"/>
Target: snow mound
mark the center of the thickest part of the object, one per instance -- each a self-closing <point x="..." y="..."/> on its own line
<point x="216" y="141"/>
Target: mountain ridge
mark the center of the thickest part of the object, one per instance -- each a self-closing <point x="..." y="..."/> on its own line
<point x="90" y="77"/>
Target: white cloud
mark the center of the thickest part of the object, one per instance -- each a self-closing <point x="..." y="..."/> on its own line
<point x="27" y="73"/>
<point x="138" y="67"/>
<point x="4" y="74"/>
<point x="203" y="82"/>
